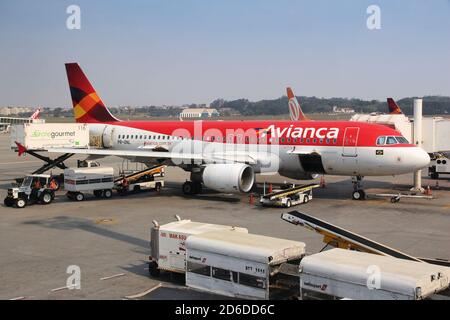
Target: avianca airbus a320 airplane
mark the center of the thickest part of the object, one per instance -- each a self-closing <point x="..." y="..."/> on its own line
<point x="226" y="155"/>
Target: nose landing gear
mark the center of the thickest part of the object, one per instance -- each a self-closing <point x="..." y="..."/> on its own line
<point x="358" y="191"/>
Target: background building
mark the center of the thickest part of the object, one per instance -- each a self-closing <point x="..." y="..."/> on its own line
<point x="199" y="113"/>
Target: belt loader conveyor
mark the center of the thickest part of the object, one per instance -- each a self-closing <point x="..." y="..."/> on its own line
<point x="147" y="171"/>
<point x="341" y="238"/>
<point x="289" y="197"/>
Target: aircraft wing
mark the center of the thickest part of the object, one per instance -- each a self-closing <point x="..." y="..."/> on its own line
<point x="240" y="157"/>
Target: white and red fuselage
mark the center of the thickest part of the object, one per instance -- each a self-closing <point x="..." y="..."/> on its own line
<point x="299" y="148"/>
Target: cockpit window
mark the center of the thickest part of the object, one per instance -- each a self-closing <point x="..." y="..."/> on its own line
<point x="402" y="140"/>
<point x="391" y="140"/>
<point x="381" y="140"/>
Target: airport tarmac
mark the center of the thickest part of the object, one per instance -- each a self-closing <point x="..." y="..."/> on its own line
<point x="109" y="239"/>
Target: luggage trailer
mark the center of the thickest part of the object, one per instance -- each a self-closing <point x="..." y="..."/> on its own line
<point x="168" y="243"/>
<point x="226" y="260"/>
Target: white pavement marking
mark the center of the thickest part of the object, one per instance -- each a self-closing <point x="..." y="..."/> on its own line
<point x="159" y="285"/>
<point x="16" y="162"/>
<point x="18" y="298"/>
<point x="114" y="276"/>
<point x="62" y="288"/>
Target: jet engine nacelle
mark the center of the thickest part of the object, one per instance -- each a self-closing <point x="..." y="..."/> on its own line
<point x="235" y="177"/>
<point x="308" y="176"/>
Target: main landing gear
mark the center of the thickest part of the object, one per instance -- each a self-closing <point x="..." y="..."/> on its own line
<point x="192" y="187"/>
<point x="358" y="191"/>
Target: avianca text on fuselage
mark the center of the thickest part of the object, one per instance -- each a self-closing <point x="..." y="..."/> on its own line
<point x="299" y="132"/>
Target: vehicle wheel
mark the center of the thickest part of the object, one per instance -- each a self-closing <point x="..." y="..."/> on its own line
<point x="98" y="193"/>
<point x="153" y="269"/>
<point x="306" y="199"/>
<point x="158" y="187"/>
<point x="136" y="188"/>
<point x="9" y="202"/>
<point x="107" y="193"/>
<point x="434" y="176"/>
<point x="395" y="199"/>
<point x="188" y="188"/>
<point x="359" y="195"/>
<point x="79" y="196"/>
<point x="46" y="197"/>
<point x="288" y="203"/>
<point x="20" y="203"/>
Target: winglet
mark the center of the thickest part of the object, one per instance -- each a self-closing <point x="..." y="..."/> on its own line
<point x="295" y="110"/>
<point x="21" y="148"/>
<point x="393" y="107"/>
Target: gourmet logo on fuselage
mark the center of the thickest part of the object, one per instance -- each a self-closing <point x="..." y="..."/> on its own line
<point x="299" y="132"/>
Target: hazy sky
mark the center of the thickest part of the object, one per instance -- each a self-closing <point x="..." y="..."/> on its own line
<point x="142" y="52"/>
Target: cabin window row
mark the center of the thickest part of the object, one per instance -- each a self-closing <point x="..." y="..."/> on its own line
<point x="227" y="275"/>
<point x="230" y="139"/>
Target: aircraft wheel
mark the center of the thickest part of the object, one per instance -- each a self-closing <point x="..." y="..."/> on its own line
<point x="188" y="188"/>
<point x="359" y="195"/>
<point x="197" y="187"/>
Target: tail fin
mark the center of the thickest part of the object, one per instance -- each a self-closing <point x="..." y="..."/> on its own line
<point x="87" y="105"/>
<point x="393" y="107"/>
<point x="36" y="114"/>
<point x="295" y="110"/>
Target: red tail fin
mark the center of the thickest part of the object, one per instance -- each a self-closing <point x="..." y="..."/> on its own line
<point x="294" y="107"/>
<point x="87" y="105"/>
<point x="393" y="107"/>
<point x="36" y="114"/>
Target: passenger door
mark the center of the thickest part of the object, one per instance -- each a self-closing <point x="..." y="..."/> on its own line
<point x="349" y="148"/>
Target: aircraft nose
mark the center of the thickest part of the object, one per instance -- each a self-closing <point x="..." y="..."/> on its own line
<point x="421" y="158"/>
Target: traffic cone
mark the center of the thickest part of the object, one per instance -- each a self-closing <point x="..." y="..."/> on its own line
<point x="251" y="199"/>
<point x="270" y="188"/>
<point x="437" y="185"/>
<point x="428" y="191"/>
<point x="322" y="182"/>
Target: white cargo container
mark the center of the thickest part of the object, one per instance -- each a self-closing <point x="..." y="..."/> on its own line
<point x="40" y="136"/>
<point x="99" y="180"/>
<point x="168" y="243"/>
<point x="357" y="275"/>
<point x="239" y="264"/>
